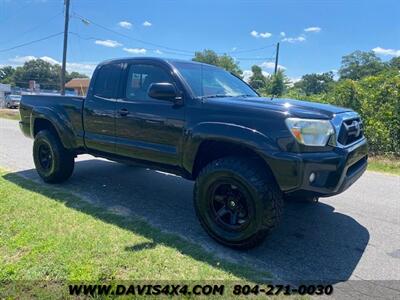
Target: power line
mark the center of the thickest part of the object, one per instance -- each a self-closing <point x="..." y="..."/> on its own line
<point x="89" y="38"/>
<point x="83" y="19"/>
<point x="252" y="50"/>
<point x="19" y="11"/>
<point x="33" y="28"/>
<point x="168" y="49"/>
<point x="32" y="42"/>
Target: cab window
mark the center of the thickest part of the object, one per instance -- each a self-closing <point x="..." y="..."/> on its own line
<point x="140" y="77"/>
<point x="107" y="81"/>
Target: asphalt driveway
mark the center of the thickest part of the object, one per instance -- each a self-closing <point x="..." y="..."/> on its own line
<point x="355" y="235"/>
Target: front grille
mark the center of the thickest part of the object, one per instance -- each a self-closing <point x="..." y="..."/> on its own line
<point x="351" y="130"/>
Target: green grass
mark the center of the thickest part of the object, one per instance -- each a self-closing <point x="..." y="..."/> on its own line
<point x="47" y="235"/>
<point x="12" y="114"/>
<point x="384" y="165"/>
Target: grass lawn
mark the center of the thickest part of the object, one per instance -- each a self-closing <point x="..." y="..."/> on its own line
<point x="50" y="235"/>
<point x="384" y="165"/>
<point x="12" y="114"/>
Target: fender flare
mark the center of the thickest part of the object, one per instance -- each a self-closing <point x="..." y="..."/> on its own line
<point x="62" y="125"/>
<point x="223" y="132"/>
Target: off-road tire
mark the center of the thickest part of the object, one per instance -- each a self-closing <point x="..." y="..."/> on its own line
<point x="266" y="199"/>
<point x="62" y="160"/>
<point x="302" y="199"/>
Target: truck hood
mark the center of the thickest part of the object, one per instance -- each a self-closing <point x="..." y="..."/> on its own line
<point x="297" y="108"/>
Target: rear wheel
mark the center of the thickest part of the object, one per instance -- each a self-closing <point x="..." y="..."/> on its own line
<point x="53" y="162"/>
<point x="237" y="201"/>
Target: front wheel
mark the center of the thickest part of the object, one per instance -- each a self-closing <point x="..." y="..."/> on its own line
<point x="53" y="162"/>
<point x="237" y="201"/>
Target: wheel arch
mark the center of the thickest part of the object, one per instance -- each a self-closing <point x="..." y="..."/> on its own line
<point x="43" y="118"/>
<point x="212" y="141"/>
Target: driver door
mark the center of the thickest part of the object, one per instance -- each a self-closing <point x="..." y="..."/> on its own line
<point x="147" y="128"/>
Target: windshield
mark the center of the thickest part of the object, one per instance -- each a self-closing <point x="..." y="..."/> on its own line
<point x="209" y="81"/>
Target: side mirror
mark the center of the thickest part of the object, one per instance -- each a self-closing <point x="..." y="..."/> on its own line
<point x="163" y="91"/>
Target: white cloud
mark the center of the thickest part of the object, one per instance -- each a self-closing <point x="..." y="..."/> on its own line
<point x="108" y="43"/>
<point x="135" y="50"/>
<point x="282" y="34"/>
<point x="125" y="24"/>
<point x="85" y="68"/>
<point x="312" y="29"/>
<point x="248" y="73"/>
<point x="158" y="51"/>
<point x="293" y="80"/>
<point x="22" y="59"/>
<point x="147" y="24"/>
<point x="271" y="65"/>
<point x="254" y="33"/>
<point x="389" y="52"/>
<point x="293" y="40"/>
<point x="263" y="35"/>
<point x="50" y="60"/>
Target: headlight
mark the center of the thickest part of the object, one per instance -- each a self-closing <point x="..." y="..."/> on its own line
<point x="310" y="132"/>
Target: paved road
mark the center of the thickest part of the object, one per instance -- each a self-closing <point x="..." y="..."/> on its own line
<point x="355" y="235"/>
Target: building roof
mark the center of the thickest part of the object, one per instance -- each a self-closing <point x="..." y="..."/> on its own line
<point x="78" y="83"/>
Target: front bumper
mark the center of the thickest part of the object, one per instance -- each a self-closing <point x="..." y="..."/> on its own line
<point x="335" y="170"/>
<point x="13" y="103"/>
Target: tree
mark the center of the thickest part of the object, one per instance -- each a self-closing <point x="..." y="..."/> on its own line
<point x="360" y="64"/>
<point x="315" y="83"/>
<point x="229" y="64"/>
<point x="395" y="63"/>
<point x="38" y="70"/>
<point x="73" y="75"/>
<point x="224" y="61"/>
<point x="44" y="73"/>
<point x="6" y="74"/>
<point x="277" y="83"/>
<point x="257" y="80"/>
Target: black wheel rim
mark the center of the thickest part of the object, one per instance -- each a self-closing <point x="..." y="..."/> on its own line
<point x="229" y="205"/>
<point x="45" y="157"/>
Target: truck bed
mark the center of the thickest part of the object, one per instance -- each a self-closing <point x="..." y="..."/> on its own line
<point x="65" y="110"/>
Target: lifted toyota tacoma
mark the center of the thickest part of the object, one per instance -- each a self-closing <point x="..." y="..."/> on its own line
<point x="245" y="153"/>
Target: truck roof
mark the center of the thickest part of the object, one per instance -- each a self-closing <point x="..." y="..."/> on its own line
<point x="149" y="58"/>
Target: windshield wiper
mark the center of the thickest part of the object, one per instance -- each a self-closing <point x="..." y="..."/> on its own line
<point x="224" y="96"/>
<point x="245" y="95"/>
<point x="214" y="96"/>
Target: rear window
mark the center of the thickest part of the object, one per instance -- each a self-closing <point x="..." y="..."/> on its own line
<point x="107" y="81"/>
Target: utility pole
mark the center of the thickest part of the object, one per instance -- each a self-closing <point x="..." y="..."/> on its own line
<point x="64" y="60"/>
<point x="276" y="58"/>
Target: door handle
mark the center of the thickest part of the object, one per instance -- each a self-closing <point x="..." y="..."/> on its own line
<point x="123" y="112"/>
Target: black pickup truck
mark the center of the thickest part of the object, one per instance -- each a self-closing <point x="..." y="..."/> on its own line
<point x="246" y="153"/>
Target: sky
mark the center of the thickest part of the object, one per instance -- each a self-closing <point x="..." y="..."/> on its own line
<point x="313" y="34"/>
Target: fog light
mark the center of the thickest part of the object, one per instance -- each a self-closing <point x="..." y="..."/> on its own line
<point x="312" y="177"/>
